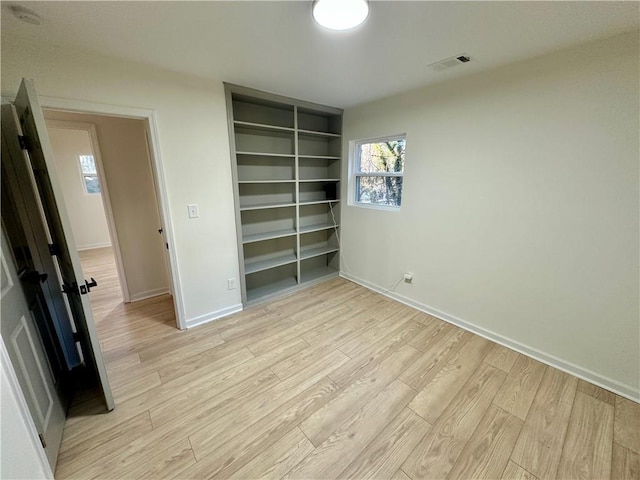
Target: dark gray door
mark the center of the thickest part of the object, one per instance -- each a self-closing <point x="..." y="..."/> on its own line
<point x="56" y="220"/>
<point x="27" y="233"/>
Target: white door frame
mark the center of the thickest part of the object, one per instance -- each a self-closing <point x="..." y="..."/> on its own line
<point x="149" y="117"/>
<point x="90" y="128"/>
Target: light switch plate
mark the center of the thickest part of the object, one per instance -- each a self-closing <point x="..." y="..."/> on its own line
<point x="193" y="210"/>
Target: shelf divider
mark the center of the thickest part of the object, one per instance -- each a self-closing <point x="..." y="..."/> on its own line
<point x="317" y="251"/>
<point x="259" y="266"/>
<point x="318" y="274"/>
<point x="317" y="202"/>
<point x="271" y="289"/>
<point x="262" y="126"/>
<point x="259" y="237"/>
<point x="318" y="227"/>
<point x="320" y="134"/>
<point x="262" y="206"/>
<point x="267" y="154"/>
<point x="265" y="181"/>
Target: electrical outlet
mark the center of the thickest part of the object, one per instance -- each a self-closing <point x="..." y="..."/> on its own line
<point x="408" y="277"/>
<point x="231" y="284"/>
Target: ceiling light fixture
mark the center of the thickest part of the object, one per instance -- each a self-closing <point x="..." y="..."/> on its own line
<point x="340" y="14"/>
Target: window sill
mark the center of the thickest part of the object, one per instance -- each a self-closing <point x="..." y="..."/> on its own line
<point x="372" y="206"/>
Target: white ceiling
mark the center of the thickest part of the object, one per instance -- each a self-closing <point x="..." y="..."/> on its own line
<point x="276" y="46"/>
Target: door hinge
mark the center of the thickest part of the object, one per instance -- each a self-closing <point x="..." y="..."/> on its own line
<point x="53" y="249"/>
<point x="24" y="143"/>
<point x="42" y="440"/>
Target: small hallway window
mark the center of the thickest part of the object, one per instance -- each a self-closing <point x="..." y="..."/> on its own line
<point x="89" y="174"/>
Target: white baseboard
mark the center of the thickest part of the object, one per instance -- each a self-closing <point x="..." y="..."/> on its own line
<point x="91" y="246"/>
<point x="209" y="317"/>
<point x="607" y="383"/>
<point x="136" y="297"/>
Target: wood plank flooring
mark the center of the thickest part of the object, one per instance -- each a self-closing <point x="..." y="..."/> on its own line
<point x="333" y="382"/>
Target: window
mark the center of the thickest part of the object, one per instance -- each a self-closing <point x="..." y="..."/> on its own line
<point x="378" y="169"/>
<point x="89" y="174"/>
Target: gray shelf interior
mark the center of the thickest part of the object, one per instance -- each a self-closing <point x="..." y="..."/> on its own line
<point x="256" y="110"/>
<point x="309" y="144"/>
<point x="318" y="168"/>
<point x="318" y="191"/>
<point x="269" y="223"/>
<point x="269" y="254"/>
<point x="257" y="140"/>
<point x="318" y="268"/>
<point x="266" y="194"/>
<point x="319" y="122"/>
<point x="268" y="283"/>
<point x="261" y="167"/>
<point x="313" y="217"/>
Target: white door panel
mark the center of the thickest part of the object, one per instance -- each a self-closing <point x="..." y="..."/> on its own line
<point x="38" y="393"/>
<point x="27" y="355"/>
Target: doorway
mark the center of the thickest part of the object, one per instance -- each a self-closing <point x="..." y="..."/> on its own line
<point x="30" y="173"/>
<point x="82" y="185"/>
<point x="104" y="166"/>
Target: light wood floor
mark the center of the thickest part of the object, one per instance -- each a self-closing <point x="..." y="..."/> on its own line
<point x="337" y="382"/>
<point x="100" y="263"/>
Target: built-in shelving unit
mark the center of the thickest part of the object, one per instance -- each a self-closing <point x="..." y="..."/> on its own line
<point x="286" y="170"/>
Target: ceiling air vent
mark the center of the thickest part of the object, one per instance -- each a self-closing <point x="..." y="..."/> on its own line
<point x="450" y="62"/>
<point x="25" y="15"/>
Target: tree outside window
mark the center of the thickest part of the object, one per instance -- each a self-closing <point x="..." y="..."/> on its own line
<point x="89" y="174"/>
<point x="379" y="169"/>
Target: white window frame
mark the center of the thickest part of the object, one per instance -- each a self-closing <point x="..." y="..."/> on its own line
<point x="354" y="172"/>
<point x="83" y="175"/>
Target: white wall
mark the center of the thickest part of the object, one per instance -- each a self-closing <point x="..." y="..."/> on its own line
<point x="86" y="211"/>
<point x="520" y="209"/>
<point x="127" y="168"/>
<point x="194" y="146"/>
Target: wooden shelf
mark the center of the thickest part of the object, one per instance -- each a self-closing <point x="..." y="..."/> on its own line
<point x="258" y="237"/>
<point x="266" y="181"/>
<point x="271" y="289"/>
<point x="309" y="180"/>
<point x="318" y="227"/>
<point x="261" y="126"/>
<point x="263" y="206"/>
<point x="320" y="157"/>
<point x="267" y="154"/>
<point x="317" y="251"/>
<point x="320" y="134"/>
<point x="317" y="274"/>
<point x="253" y="267"/>
<point x="317" y="202"/>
